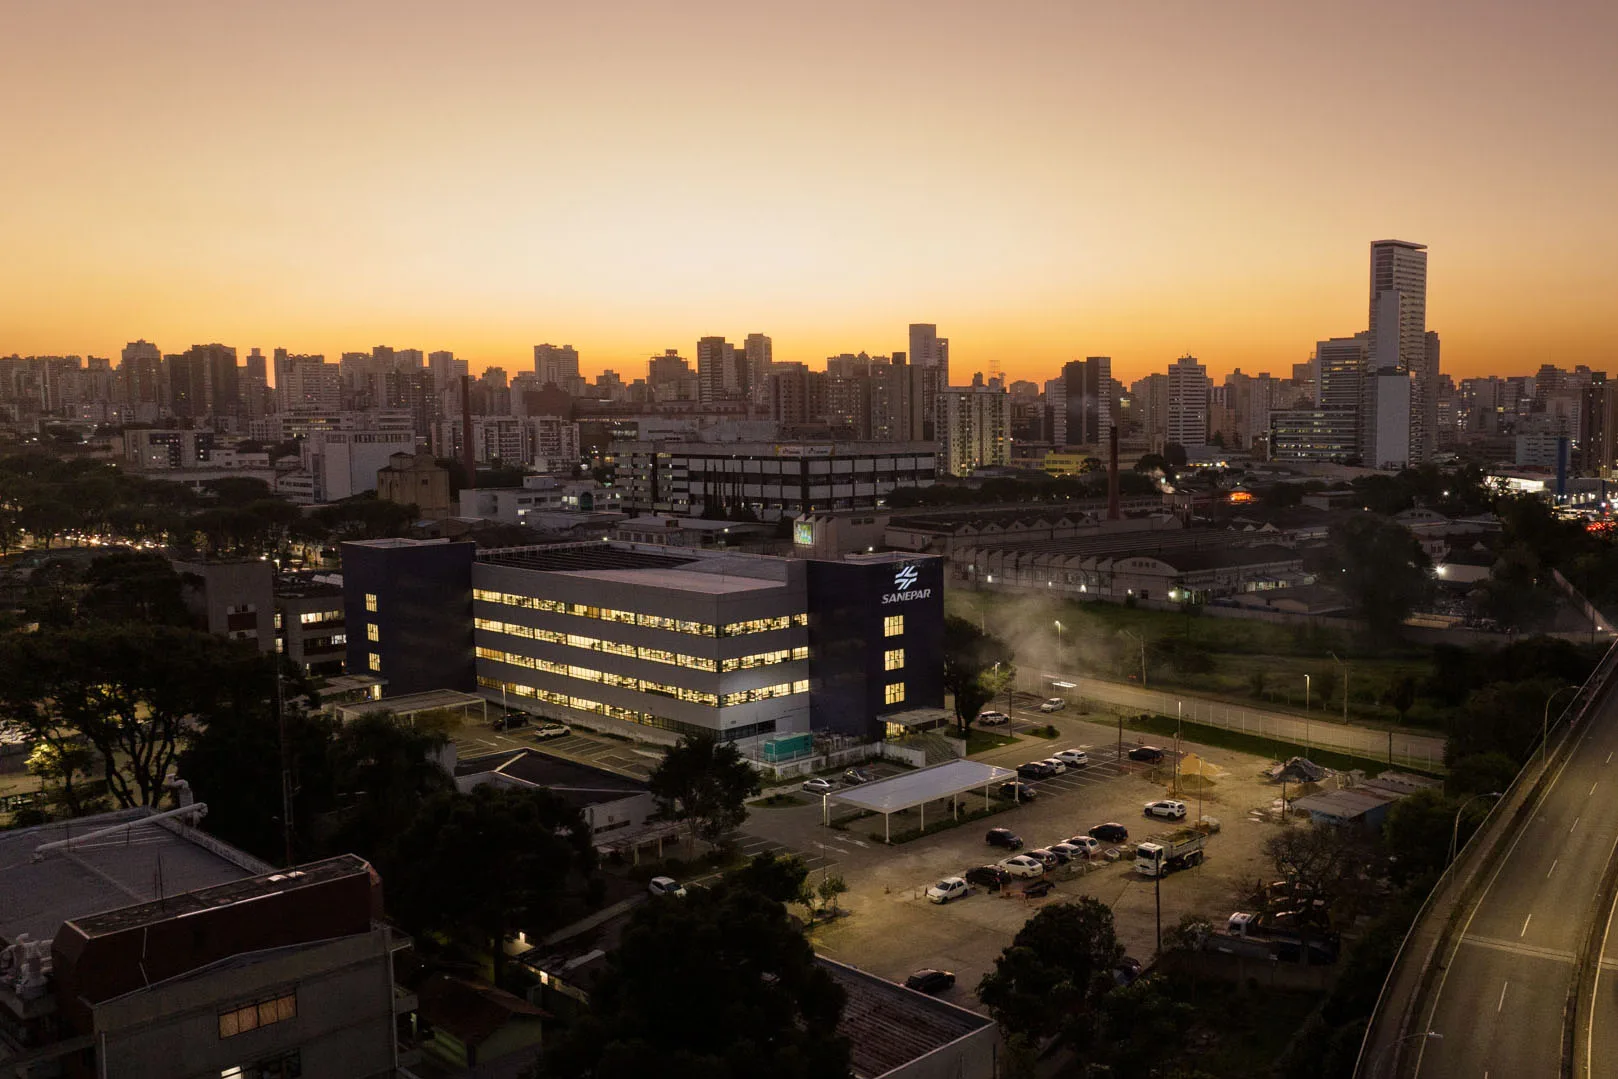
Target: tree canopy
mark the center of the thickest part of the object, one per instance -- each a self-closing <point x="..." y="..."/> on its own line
<point x="1060" y="961"/>
<point x="706" y="784"/>
<point x="1384" y="571"/>
<point x="977" y="665"/>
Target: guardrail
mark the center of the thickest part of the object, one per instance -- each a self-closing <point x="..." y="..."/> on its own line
<point x="1405" y="988"/>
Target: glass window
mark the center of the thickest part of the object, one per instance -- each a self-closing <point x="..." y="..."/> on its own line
<point x="893" y="659"/>
<point x="894" y="693"/>
<point x="373" y="661"/>
<point x="370" y="601"/>
<point x="372" y="632"/>
<point x="893" y="625"/>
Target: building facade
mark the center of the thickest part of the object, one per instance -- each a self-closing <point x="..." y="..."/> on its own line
<point x="974" y="429"/>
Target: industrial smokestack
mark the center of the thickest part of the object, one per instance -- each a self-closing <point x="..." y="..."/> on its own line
<point x="1112" y="475"/>
<point x="469" y="459"/>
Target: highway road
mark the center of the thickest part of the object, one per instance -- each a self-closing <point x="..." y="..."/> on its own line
<point x="1326" y="732"/>
<point x="1499" y="1000"/>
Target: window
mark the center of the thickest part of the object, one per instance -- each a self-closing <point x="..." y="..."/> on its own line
<point x="260" y="1013"/>
<point x="893" y="659"/>
<point x="373" y="661"/>
<point x="893" y="693"/>
<point x="370" y="601"/>
<point x="372" y="633"/>
<point x="893" y="625"/>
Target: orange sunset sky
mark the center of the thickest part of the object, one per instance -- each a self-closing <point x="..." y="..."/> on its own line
<point x="1042" y="180"/>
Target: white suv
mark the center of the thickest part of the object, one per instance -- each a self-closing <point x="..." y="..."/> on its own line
<point x="1054" y="704"/>
<point x="991" y="718"/>
<point x="1073" y="758"/>
<point x="1167" y="809"/>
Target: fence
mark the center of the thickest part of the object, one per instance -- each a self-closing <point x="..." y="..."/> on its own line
<point x="833" y="758"/>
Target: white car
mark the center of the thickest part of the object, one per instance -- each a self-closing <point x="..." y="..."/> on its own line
<point x="1021" y="865"/>
<point x="1168" y="809"/>
<point x="1058" y="766"/>
<point x="947" y="889"/>
<point x="1053" y="704"/>
<point x="1088" y="845"/>
<point x="818" y="786"/>
<point x="665" y="886"/>
<point x="991" y="718"/>
<point x="1073" y="758"/>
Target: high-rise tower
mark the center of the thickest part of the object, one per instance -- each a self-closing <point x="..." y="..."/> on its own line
<point x="1398" y="327"/>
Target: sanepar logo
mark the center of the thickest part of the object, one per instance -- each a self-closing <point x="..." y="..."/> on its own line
<point x="904" y="585"/>
<point x="905" y="577"/>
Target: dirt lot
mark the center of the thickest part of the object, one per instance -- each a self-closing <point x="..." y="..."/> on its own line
<point x="892" y="929"/>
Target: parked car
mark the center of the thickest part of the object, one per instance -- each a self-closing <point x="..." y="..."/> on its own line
<point x="1151" y="754"/>
<point x="1166" y="808"/>
<point x="551" y="730"/>
<point x="818" y="786"/>
<point x="1089" y="844"/>
<point x="1055" y="764"/>
<point x="1020" y="865"/>
<point x="947" y="889"/>
<point x="1111" y="832"/>
<point x="1074" y="758"/>
<point x="1012" y="789"/>
<point x="855" y="776"/>
<point x="930" y="981"/>
<point x="665" y="886"/>
<point x="510" y="720"/>
<point x="991" y="718"/>
<point x="1036" y="889"/>
<point x="1053" y="704"/>
<point x="1035" y="770"/>
<point x="1047" y="857"/>
<point x="1003" y="837"/>
<point x="1069" y="852"/>
<point x="988" y="876"/>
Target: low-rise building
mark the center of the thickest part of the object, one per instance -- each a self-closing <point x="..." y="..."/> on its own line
<point x="416" y="479"/>
<point x="610" y="803"/>
<point x="310" y="630"/>
<point x="234" y="597"/>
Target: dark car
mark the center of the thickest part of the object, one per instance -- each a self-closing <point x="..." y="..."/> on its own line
<point x="1035" y="770"/>
<point x="1003" y="837"/>
<point x="855" y="776"/>
<point x="510" y="720"/>
<point x="1110" y="832"/>
<point x="930" y="981"/>
<point x="987" y="876"/>
<point x="1035" y="889"/>
<point x="1022" y="792"/>
<point x="1151" y="754"/>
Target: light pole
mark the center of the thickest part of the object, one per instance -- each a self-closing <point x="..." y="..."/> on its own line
<point x="1455" y="832"/>
<point x="1058" y="631"/>
<point x="1179" y="715"/>
<point x="1545" y="721"/>
<point x="1343" y="665"/>
<point x="1376" y="1062"/>
<point x="1306" y="746"/>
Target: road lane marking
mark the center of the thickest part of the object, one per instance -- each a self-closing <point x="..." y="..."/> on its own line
<point x="1502" y="1003"/>
<point x="1593" y="787"/>
<point x="1609" y="756"/>
<point x="1531" y="951"/>
<point x="1525" y="922"/>
<point x="1552" y="869"/>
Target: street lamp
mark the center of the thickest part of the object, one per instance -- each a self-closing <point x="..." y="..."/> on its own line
<point x="1545" y="721"/>
<point x="1179" y="715"/>
<point x="1343" y="665"/>
<point x="1058" y="630"/>
<point x="1376" y="1061"/>
<point x="1306" y="746"/>
<point x="1455" y="832"/>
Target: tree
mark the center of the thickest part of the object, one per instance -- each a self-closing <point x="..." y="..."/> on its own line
<point x="1384" y="569"/>
<point x="718" y="986"/>
<point x="1513" y="595"/>
<point x="1318" y="861"/>
<point x="1325" y="687"/>
<point x="1256" y="683"/>
<point x="133" y="586"/>
<point x="479" y="867"/>
<point x="382" y="770"/>
<point x="705" y="783"/>
<point x="1401" y="696"/>
<point x="977" y="665"/>
<point x="1174" y="454"/>
<point x="1417" y="832"/>
<point x="1503" y="717"/>
<point x="1480" y="773"/>
<point x="827" y="892"/>
<point x="782" y="879"/>
<point x="1060" y="961"/>
<point x="1139" y="1026"/>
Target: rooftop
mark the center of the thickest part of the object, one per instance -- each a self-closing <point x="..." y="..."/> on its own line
<point x="889" y="1026"/>
<point x="137" y="864"/>
<point x="407" y="704"/>
<point x="579" y="785"/>
<point x="923" y="785"/>
<point x="1344" y="804"/>
<point x="683" y="580"/>
<point x="574" y="558"/>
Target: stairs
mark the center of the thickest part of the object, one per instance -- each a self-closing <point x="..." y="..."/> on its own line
<point x="937" y="748"/>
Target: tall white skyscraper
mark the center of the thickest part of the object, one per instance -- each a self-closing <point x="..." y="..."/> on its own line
<point x="719" y="375"/>
<point x="759" y="355"/>
<point x="1188" y="402"/>
<point x="557" y="365"/>
<point x="1399" y="336"/>
<point x="974" y="428"/>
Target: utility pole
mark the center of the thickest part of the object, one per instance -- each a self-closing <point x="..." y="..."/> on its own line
<point x="1157" y="889"/>
<point x="1343" y="665"/>
<point x="286" y="764"/>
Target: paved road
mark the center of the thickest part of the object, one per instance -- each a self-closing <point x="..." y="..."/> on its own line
<point x="1499" y="1000"/>
<point x="1325" y="732"/>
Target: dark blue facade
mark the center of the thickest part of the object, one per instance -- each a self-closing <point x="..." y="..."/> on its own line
<point x="850" y="603"/>
<point x="423" y="616"/>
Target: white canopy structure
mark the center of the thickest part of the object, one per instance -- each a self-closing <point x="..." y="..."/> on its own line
<point x="912" y="790"/>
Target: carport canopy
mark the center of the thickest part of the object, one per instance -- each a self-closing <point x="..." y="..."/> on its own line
<point x="911" y="790"/>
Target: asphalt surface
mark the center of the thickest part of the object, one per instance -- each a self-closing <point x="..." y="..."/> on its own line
<point x="1499" y="1000"/>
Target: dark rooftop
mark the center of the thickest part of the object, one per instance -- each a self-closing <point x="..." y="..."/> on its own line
<point x="888" y="1026"/>
<point x="573" y="557"/>
<point x="579" y="785"/>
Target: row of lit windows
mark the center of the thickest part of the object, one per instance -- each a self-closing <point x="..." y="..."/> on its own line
<point x="893" y="693"/>
<point x="893" y="625"/>
<point x="311" y="617"/>
<point x="629" y="715"/>
<point x="373" y="661"/>
<point x="893" y="659"/>
<point x="646" y="685"/>
<point x="262" y="1013"/>
<point x="655" y="655"/>
<point x="651" y="621"/>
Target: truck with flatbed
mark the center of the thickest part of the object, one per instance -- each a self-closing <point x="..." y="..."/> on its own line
<point x="1177" y="850"/>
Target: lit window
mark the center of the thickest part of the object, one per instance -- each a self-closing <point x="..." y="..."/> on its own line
<point x="893" y="693"/>
<point x="372" y="633"/>
<point x="374" y="661"/>
<point x="893" y="625"/>
<point x="261" y="1013"/>
<point x="893" y="659"/>
<point x="370" y="601"/>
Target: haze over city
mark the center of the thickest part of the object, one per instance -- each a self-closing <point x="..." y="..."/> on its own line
<point x="1139" y="181"/>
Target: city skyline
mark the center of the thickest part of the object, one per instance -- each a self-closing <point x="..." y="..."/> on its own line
<point x="1139" y="184"/>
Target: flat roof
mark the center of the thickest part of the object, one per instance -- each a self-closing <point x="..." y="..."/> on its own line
<point x="578" y="784"/>
<point x="408" y="703"/>
<point x="106" y="873"/>
<point x="1346" y="803"/>
<point x="578" y="557"/>
<point x="889" y="1026"/>
<point x="683" y="580"/>
<point x="911" y="789"/>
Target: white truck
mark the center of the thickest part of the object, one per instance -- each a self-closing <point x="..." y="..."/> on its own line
<point x="1177" y="851"/>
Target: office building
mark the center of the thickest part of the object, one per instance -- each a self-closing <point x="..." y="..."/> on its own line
<point x="759" y="354"/>
<point x="1398" y="330"/>
<point x="557" y="365"/>
<point x="1087" y="402"/>
<point x="309" y="626"/>
<point x="307" y="383"/>
<point x="1314" y="434"/>
<point x="653" y="642"/>
<point x="340" y="464"/>
<point x="974" y="429"/>
<point x="1187" y="390"/>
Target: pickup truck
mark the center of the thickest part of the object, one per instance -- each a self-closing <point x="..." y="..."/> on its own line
<point x="1178" y="850"/>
